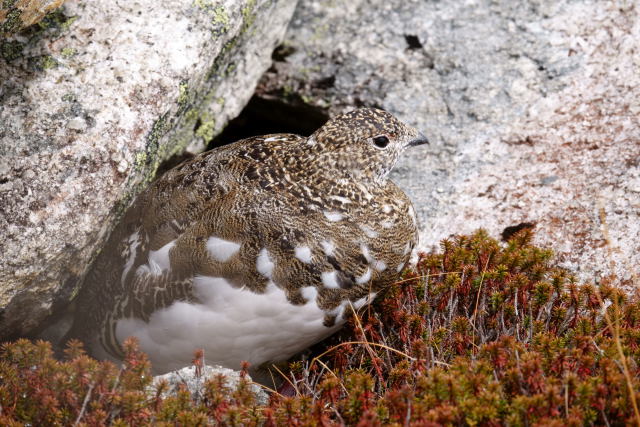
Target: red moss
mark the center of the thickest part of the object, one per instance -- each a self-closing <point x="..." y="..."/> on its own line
<point x="481" y="333"/>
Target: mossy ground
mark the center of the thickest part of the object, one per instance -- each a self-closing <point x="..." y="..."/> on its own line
<point x="480" y="333"/>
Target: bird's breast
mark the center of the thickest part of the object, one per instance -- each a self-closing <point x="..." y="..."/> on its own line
<point x="232" y="324"/>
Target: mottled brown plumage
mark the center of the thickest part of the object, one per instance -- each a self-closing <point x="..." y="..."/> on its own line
<point x="308" y="223"/>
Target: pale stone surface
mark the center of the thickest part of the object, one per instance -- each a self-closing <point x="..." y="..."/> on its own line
<point x="89" y="109"/>
<point x="195" y="384"/>
<point x="532" y="109"/>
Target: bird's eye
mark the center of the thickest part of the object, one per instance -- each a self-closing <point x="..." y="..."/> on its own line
<point x="380" y="141"/>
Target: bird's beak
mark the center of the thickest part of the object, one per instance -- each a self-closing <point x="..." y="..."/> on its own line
<point x="419" y="140"/>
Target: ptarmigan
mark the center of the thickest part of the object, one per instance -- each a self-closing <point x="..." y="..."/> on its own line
<point x="255" y="250"/>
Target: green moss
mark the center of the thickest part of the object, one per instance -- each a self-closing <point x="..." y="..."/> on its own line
<point x="12" y="22"/>
<point x="52" y="25"/>
<point x="8" y="4"/>
<point x="10" y="50"/>
<point x="56" y="20"/>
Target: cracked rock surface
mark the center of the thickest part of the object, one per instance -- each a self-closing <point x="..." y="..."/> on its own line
<point x="90" y="104"/>
<point x="532" y="108"/>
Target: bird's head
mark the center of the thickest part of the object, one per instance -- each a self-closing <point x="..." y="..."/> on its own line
<point x="364" y="143"/>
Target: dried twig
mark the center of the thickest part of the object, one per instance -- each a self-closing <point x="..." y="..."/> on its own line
<point x="84" y="404"/>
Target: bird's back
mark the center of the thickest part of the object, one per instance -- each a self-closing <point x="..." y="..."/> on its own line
<point x="234" y="252"/>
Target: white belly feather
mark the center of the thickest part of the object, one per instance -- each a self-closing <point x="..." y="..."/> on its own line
<point x="231" y="325"/>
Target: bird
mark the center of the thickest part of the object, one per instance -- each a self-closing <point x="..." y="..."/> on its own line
<point x="255" y="250"/>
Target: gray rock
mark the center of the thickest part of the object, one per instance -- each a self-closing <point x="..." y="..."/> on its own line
<point x="89" y="108"/>
<point x="77" y="123"/>
<point x="195" y="383"/>
<point x="531" y="106"/>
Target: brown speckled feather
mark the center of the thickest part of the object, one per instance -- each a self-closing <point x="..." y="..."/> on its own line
<point x="316" y="217"/>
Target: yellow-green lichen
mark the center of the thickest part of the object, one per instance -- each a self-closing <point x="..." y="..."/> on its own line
<point x="321" y="32"/>
<point x="230" y="69"/>
<point x="68" y="52"/>
<point x="146" y="162"/>
<point x="195" y="119"/>
<point x="69" y="97"/>
<point x="220" y="17"/>
<point x="218" y="14"/>
<point x="158" y="129"/>
<point x="191" y="115"/>
<point x="64" y="26"/>
<point x="58" y="20"/>
<point x="207" y="128"/>
<point x="287" y="90"/>
<point x="203" y="4"/>
<point x="222" y="59"/>
<point x="183" y="93"/>
<point x="247" y="14"/>
<point x="49" y="62"/>
<point x="141" y="159"/>
<point x="43" y="62"/>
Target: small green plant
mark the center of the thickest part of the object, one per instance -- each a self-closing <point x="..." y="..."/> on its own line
<point x="480" y="333"/>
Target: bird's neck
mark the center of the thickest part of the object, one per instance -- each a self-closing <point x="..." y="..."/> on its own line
<point x="341" y="176"/>
<point x="318" y="165"/>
